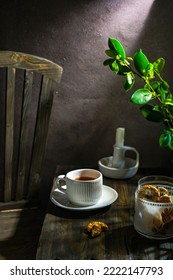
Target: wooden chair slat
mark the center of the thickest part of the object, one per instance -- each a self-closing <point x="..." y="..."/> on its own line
<point x="41" y="131"/>
<point x="24" y="134"/>
<point x="9" y="133"/>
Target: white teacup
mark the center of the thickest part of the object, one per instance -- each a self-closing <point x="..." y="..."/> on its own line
<point x="82" y="186"/>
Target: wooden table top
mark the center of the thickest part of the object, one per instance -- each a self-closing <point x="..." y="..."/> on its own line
<point x="63" y="234"/>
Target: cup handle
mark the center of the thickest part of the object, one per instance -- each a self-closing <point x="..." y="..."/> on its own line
<point x="61" y="187"/>
<point x="128" y="148"/>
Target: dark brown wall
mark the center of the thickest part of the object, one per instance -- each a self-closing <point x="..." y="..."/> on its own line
<point x="90" y="102"/>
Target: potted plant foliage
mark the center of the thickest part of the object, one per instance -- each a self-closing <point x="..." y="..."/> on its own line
<point x="154" y="98"/>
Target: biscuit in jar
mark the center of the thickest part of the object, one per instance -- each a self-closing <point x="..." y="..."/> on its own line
<point x="149" y="192"/>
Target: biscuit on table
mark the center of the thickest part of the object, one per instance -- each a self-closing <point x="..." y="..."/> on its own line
<point x="95" y="228"/>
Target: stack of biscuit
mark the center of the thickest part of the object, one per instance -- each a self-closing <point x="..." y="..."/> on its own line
<point x="155" y="194"/>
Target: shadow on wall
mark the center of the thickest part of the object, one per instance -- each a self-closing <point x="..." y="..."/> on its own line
<point x="37" y="25"/>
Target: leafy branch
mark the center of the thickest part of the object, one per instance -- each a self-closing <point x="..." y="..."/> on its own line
<point x="155" y="97"/>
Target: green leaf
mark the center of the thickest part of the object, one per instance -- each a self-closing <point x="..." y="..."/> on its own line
<point x="165" y="138"/>
<point x="151" y="113"/>
<point x="123" y="70"/>
<point x="129" y="58"/>
<point x="162" y="95"/>
<point x="160" y="91"/>
<point x="115" y="45"/>
<point x="169" y="105"/>
<point x="141" y="62"/>
<point x="161" y="88"/>
<point x="108" y="61"/>
<point x="170" y="109"/>
<point x="141" y="96"/>
<point x="114" y="67"/>
<point x="149" y="71"/>
<point x="111" y="53"/>
<point x="169" y="102"/>
<point x="155" y="84"/>
<point x="165" y="85"/>
<point x="171" y="140"/>
<point x="129" y="81"/>
<point x="159" y="64"/>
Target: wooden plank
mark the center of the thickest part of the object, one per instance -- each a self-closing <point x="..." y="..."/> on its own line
<point x="9" y="133"/>
<point x="66" y="238"/>
<point x="40" y="135"/>
<point x="24" y="130"/>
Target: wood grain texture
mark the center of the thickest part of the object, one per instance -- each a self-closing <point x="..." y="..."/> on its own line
<point x="31" y="62"/>
<point x="63" y="233"/>
<point x="30" y="85"/>
<point x="40" y="135"/>
<point x="9" y="145"/>
<point x="24" y="134"/>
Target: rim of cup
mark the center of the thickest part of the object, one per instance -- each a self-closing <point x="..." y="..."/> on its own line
<point x="84" y="172"/>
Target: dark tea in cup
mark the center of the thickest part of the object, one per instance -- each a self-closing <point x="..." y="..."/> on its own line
<point x="84" y="178"/>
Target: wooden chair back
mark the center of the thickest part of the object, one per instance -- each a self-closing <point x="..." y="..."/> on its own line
<point x="26" y="98"/>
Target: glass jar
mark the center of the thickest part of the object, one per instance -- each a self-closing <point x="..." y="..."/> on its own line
<point x="154" y="213"/>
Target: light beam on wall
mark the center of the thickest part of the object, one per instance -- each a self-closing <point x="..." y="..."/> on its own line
<point x="128" y="20"/>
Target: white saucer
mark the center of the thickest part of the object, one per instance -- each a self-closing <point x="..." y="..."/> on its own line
<point x="109" y="195"/>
